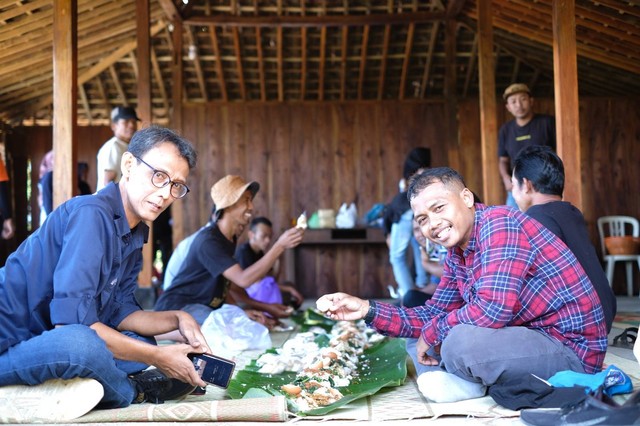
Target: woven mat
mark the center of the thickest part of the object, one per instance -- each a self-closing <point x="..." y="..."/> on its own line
<point x="255" y="410"/>
<point x="399" y="403"/>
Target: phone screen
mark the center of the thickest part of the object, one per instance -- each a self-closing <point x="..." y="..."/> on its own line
<point x="213" y="369"/>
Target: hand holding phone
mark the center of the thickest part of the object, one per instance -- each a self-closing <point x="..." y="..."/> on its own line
<point x="213" y="369"/>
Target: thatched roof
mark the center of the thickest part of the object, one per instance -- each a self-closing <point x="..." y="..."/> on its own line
<point x="305" y="50"/>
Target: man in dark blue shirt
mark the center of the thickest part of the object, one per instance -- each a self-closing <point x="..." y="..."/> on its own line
<point x="70" y="327"/>
<point x="538" y="183"/>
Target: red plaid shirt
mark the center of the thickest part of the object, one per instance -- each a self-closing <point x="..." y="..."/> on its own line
<point x="514" y="272"/>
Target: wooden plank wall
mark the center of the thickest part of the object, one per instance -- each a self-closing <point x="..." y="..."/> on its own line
<point x="310" y="156"/>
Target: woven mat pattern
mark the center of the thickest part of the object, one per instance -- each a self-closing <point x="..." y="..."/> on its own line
<point x="255" y="410"/>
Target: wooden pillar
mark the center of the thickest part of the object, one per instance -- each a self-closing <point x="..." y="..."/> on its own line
<point x="144" y="112"/>
<point x="176" y="122"/>
<point x="65" y="95"/>
<point x="450" y="95"/>
<point x="491" y="183"/>
<point x="565" y="70"/>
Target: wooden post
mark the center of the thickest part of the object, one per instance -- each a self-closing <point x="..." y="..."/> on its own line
<point x="65" y="95"/>
<point x="176" y="122"/>
<point x="565" y="70"/>
<point x="491" y="182"/>
<point x="451" y="98"/>
<point x="144" y="112"/>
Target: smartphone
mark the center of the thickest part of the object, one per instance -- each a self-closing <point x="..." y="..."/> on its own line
<point x="213" y="369"/>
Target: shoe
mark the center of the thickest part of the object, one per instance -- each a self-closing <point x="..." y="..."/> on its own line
<point x="199" y="391"/>
<point x="54" y="401"/>
<point x="596" y="409"/>
<point x="153" y="386"/>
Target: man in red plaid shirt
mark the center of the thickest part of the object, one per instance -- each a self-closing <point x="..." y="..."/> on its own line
<point x="513" y="299"/>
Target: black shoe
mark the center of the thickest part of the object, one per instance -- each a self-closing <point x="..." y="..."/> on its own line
<point x="153" y="386"/>
<point x="596" y="409"/>
<point x="199" y="391"/>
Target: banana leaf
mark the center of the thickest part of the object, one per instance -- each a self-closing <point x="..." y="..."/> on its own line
<point x="382" y="365"/>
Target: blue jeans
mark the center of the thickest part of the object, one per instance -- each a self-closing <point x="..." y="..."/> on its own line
<point x="492" y="355"/>
<point x="401" y="238"/>
<point x="68" y="352"/>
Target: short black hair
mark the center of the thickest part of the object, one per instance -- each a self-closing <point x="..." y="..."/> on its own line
<point x="542" y="167"/>
<point x="152" y="136"/>
<point x="259" y="220"/>
<point x="446" y="175"/>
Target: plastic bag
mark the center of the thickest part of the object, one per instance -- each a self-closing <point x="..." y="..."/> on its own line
<point x="229" y="330"/>
<point x="347" y="216"/>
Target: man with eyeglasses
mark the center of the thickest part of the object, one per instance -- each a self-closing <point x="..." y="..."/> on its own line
<point x="72" y="335"/>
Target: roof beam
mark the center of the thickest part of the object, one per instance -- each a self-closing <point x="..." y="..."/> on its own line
<point x="343" y="62"/>
<point x="303" y="60"/>
<point x="363" y="59"/>
<point x="216" y="52"/>
<point x="279" y="64"/>
<point x="427" y="65"/>
<point x="261" y="76"/>
<point x="195" y="57"/>
<point x="315" y="21"/>
<point x="407" y="58"/>
<point x="240" y="71"/>
<point x="323" y="54"/>
<point x="383" y="61"/>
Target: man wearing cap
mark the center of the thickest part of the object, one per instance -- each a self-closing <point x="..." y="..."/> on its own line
<point x="124" y="123"/>
<point x="526" y="129"/>
<point x="210" y="269"/>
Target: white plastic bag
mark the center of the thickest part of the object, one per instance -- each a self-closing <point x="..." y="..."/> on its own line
<point x="229" y="330"/>
<point x="347" y="216"/>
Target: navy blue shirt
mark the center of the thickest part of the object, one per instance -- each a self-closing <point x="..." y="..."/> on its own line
<point x="200" y="279"/>
<point x="541" y="130"/>
<point x="79" y="267"/>
<point x="567" y="222"/>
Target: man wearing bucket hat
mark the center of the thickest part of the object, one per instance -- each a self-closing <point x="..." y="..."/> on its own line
<point x="209" y="269"/>
<point x="526" y="129"/>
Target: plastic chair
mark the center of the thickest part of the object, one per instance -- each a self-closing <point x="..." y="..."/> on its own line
<point x="617" y="226"/>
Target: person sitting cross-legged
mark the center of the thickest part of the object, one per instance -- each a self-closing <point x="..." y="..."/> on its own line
<point x="71" y="332"/>
<point x="513" y="300"/>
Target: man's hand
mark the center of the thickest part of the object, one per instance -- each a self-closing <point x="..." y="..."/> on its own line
<point x="341" y="306"/>
<point x="422" y="348"/>
<point x="173" y="362"/>
<point x="290" y="238"/>
<point x="7" y="229"/>
<point x="190" y="330"/>
<point x="295" y="294"/>
<point x="277" y="310"/>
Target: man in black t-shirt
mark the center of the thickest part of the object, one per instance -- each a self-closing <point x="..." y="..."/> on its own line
<point x="209" y="272"/>
<point x="266" y="290"/>
<point x="526" y="129"/>
<point x="538" y="183"/>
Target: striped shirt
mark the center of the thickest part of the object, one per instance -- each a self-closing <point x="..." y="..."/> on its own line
<point x="514" y="272"/>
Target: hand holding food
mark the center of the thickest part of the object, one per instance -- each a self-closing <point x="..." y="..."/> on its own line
<point x="302" y="221"/>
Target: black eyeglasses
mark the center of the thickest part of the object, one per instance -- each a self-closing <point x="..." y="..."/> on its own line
<point x="160" y="179"/>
